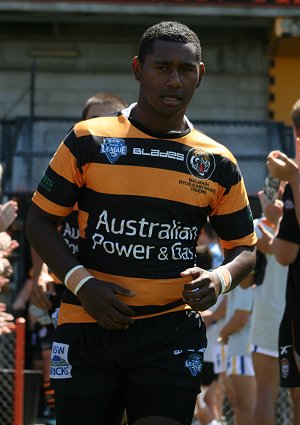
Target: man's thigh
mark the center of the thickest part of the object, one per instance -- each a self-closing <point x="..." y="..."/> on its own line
<point x="92" y="409"/>
<point x="169" y="404"/>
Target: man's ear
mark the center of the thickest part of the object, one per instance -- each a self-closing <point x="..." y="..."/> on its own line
<point x="201" y="73"/>
<point x="137" y="68"/>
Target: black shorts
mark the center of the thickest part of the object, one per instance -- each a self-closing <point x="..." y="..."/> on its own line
<point x="289" y="353"/>
<point x="161" y="350"/>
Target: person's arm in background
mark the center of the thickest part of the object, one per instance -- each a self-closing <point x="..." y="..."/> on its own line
<point x="286" y="169"/>
<point x="236" y="323"/>
<point x="210" y="316"/>
<point x="241" y="313"/>
<point x="23" y="296"/>
<point x="42" y="285"/>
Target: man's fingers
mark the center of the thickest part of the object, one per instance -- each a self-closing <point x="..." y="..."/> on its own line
<point x="122" y="291"/>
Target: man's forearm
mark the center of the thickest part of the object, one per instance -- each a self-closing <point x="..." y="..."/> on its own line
<point x="240" y="262"/>
<point x="46" y="240"/>
<point x="295" y="185"/>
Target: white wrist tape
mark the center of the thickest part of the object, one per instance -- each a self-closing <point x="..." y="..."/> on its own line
<point x="82" y="282"/>
<point x="71" y="272"/>
<point x="225" y="278"/>
<point x="76" y="277"/>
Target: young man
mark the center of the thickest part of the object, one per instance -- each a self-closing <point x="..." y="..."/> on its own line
<point x="145" y="182"/>
<point x="286" y="247"/>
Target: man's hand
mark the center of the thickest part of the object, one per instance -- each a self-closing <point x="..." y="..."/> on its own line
<point x="6" y="323"/>
<point x="6" y="268"/>
<point x="264" y="243"/>
<point x="282" y="167"/>
<point x="203" y="291"/>
<point x="100" y="301"/>
<point x="8" y="213"/>
<point x="11" y="246"/>
<point x="272" y="210"/>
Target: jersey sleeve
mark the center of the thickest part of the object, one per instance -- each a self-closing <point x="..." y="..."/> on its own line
<point x="60" y="185"/>
<point x="232" y="218"/>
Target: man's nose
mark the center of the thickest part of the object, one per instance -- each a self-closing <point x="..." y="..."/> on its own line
<point x="174" y="79"/>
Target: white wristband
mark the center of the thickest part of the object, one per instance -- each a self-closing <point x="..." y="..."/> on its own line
<point x="71" y="272"/>
<point x="225" y="278"/>
<point x="81" y="283"/>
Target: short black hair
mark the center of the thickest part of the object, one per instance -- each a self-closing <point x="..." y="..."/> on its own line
<point x="167" y="31"/>
<point x="295" y="115"/>
<point x="104" y="98"/>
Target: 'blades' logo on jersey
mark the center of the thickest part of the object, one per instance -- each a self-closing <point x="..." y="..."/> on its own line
<point x="113" y="148"/>
<point x="200" y="164"/>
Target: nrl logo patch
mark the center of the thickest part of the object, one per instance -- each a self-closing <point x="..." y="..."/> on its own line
<point x="285" y="368"/>
<point x="113" y="148"/>
<point x="194" y="364"/>
<point x="200" y="164"/>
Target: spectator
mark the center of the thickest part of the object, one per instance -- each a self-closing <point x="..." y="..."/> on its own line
<point x="266" y="316"/>
<point x="209" y="402"/>
<point x="240" y="372"/>
<point x="285" y="246"/>
<point x="102" y="104"/>
<point x="145" y="181"/>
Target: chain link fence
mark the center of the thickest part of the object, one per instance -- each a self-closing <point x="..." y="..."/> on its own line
<point x="7" y="378"/>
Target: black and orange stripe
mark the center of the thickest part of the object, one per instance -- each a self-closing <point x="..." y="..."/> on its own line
<point x="141" y="211"/>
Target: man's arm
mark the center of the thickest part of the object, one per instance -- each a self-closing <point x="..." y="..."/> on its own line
<point x="99" y="299"/>
<point x="205" y="286"/>
<point x="42" y="284"/>
<point x="43" y="235"/>
<point x="287" y="169"/>
<point x="285" y="252"/>
<point x="235" y="324"/>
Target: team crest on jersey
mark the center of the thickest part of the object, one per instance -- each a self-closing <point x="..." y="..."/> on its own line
<point x="285" y="368"/>
<point x="200" y="164"/>
<point x="113" y="148"/>
<point x="194" y="364"/>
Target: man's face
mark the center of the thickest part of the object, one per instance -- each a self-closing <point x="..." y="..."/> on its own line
<point x="169" y="77"/>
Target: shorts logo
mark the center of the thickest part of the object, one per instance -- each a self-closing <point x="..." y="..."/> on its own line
<point x="200" y="164"/>
<point x="289" y="204"/>
<point x="194" y="364"/>
<point x="285" y="368"/>
<point x="113" y="148"/>
<point x="60" y="368"/>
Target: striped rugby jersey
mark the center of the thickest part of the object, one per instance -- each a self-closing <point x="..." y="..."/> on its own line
<point x="143" y="199"/>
